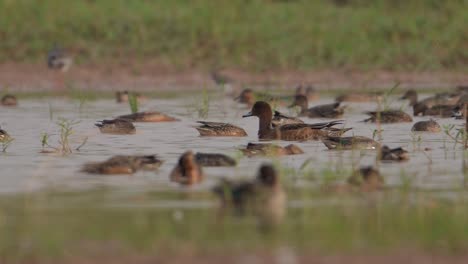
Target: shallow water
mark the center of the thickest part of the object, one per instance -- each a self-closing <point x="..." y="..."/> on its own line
<point x="24" y="169"/>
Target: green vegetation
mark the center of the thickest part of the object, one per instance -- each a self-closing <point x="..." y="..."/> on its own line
<point x="44" y="225"/>
<point x="255" y="34"/>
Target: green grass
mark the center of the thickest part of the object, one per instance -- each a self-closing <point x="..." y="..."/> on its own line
<point x="255" y="35"/>
<point x="50" y="224"/>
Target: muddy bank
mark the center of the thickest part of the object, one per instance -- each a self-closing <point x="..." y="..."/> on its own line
<point x="155" y="77"/>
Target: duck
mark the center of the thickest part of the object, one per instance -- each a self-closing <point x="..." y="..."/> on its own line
<point x="290" y="132"/>
<point x="427" y="126"/>
<point x="214" y="160"/>
<point x="346" y="143"/>
<point x="388" y="116"/>
<point x="247" y="97"/>
<point x="357" y="97"/>
<point x="122" y="97"/>
<point x="263" y="197"/>
<point x="219" y="129"/>
<point x="187" y="170"/>
<point x="436" y="110"/>
<point x="395" y="154"/>
<point x="367" y="178"/>
<point x="438" y="99"/>
<point x="269" y="149"/>
<point x="4" y="137"/>
<point x="9" y="100"/>
<point x="123" y="164"/>
<point x="57" y="59"/>
<point x="116" y="126"/>
<point x="148" y="116"/>
<point x="320" y="111"/>
<point x="308" y="91"/>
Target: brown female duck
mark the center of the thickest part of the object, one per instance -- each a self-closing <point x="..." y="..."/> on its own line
<point x="123" y="165"/>
<point x="286" y="132"/>
<point x="9" y="100"/>
<point x="187" y="170"/>
<point x="150" y="116"/>
<point x="268" y="149"/>
<point x="263" y="197"/>
<point x="436" y="110"/>
<point x="218" y="129"/>
<point x="320" y="111"/>
<point x="346" y="143"/>
<point x="388" y="116"/>
<point x="367" y="179"/>
<point x="438" y="99"/>
<point x="116" y="126"/>
<point x="214" y="160"/>
<point x="247" y="97"/>
<point x="395" y="154"/>
<point x="427" y="126"/>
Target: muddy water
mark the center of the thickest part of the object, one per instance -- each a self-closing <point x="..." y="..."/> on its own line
<point x="24" y="169"/>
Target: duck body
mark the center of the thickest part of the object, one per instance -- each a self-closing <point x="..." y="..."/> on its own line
<point x="122" y="164"/>
<point x="9" y="100"/>
<point x="263" y="197"/>
<point x="187" y="170"/>
<point x="214" y="160"/>
<point x="395" y="154"/>
<point x="116" y="127"/>
<point x="346" y="143"/>
<point x="289" y="132"/>
<point x="268" y="149"/>
<point x="219" y="129"/>
<point x="388" y="116"/>
<point x="426" y="126"/>
<point x="438" y="99"/>
<point x="435" y="110"/>
<point x="150" y="116"/>
<point x="320" y="111"/>
<point x="367" y="179"/>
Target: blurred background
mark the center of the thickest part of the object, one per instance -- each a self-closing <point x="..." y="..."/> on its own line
<point x="251" y="36"/>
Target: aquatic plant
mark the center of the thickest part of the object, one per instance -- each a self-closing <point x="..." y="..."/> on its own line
<point x="65" y="131"/>
<point x="6" y="143"/>
<point x="133" y="102"/>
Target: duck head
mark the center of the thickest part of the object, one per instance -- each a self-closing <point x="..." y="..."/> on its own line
<point x="267" y="175"/>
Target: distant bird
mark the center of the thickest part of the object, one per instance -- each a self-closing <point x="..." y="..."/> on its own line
<point x="395" y="154"/>
<point x="263" y="197"/>
<point x="333" y="110"/>
<point x="219" y="78"/>
<point x="9" y="100"/>
<point x="219" y="129"/>
<point x="307" y="91"/>
<point x="346" y="143"/>
<point x="367" y="179"/>
<point x="116" y="126"/>
<point x="269" y="149"/>
<point x="388" y="116"/>
<point x="438" y="99"/>
<point x="247" y="96"/>
<point x="121" y="164"/>
<point x="427" y="126"/>
<point x="187" y="170"/>
<point x="150" y="116"/>
<point x="214" y="160"/>
<point x="122" y="97"/>
<point x="299" y="132"/>
<point x="57" y="59"/>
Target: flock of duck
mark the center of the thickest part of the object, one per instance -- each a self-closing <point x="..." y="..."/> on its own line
<point x="264" y="195"/>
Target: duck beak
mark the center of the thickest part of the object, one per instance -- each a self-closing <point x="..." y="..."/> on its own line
<point x="248" y="114"/>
